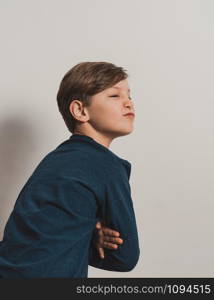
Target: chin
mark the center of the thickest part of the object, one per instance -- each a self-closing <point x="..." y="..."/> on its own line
<point x="128" y="130"/>
<point x="123" y="132"/>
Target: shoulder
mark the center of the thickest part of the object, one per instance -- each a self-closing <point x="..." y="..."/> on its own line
<point x="82" y="163"/>
<point x="68" y="165"/>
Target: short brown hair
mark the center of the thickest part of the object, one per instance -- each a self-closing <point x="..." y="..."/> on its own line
<point x="83" y="81"/>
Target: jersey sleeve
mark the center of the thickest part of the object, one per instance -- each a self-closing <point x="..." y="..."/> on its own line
<point x="118" y="214"/>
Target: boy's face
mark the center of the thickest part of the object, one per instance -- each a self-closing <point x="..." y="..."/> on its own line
<point x="108" y="108"/>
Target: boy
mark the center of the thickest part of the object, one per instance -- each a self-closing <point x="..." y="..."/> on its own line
<point x="80" y="190"/>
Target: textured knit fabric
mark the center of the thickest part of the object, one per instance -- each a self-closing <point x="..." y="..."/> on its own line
<point x="51" y="229"/>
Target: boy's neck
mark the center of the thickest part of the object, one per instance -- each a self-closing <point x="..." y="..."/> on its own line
<point x="99" y="138"/>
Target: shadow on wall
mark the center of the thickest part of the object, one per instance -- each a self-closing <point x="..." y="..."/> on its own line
<point x="17" y="143"/>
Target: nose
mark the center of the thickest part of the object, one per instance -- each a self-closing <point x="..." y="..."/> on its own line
<point x="129" y="104"/>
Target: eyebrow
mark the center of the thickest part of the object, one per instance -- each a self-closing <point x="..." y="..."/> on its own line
<point x="115" y="87"/>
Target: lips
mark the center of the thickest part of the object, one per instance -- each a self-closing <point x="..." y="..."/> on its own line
<point x="130" y="114"/>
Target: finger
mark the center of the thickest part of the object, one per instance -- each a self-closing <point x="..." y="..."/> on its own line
<point x="112" y="240"/>
<point x="109" y="245"/>
<point x="98" y="225"/>
<point x="109" y="231"/>
<point x="100" y="233"/>
<point x="101" y="252"/>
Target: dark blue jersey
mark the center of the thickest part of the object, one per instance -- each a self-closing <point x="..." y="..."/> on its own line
<point x="51" y="229"/>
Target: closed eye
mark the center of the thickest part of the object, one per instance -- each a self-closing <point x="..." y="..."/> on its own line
<point x="118" y="96"/>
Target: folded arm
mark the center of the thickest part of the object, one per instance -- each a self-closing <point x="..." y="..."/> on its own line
<point x="118" y="214"/>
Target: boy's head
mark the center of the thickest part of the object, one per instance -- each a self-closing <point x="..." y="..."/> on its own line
<point x="89" y="103"/>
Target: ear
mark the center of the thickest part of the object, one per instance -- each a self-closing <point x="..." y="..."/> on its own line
<point x="78" y="111"/>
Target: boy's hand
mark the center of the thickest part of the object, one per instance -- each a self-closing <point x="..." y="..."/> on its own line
<point x="106" y="238"/>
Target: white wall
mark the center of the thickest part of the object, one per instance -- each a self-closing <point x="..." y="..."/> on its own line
<point x="167" y="47"/>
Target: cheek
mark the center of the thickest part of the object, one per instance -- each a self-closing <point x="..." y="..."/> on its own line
<point x="107" y="117"/>
<point x="108" y="113"/>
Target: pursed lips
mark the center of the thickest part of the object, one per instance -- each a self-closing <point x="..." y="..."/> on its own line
<point x="130" y="114"/>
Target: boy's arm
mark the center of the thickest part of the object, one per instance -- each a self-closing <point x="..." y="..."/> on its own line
<point x="119" y="215"/>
